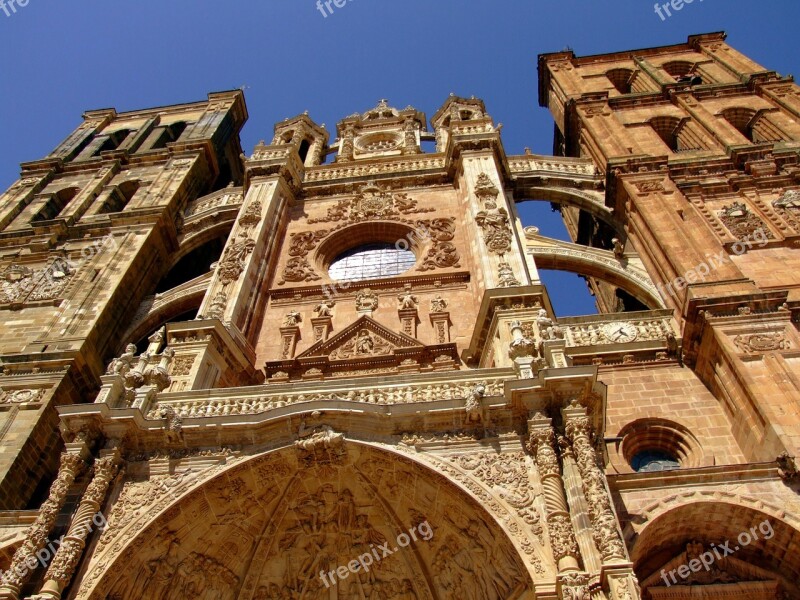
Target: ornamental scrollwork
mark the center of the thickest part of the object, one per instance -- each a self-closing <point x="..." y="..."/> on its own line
<point x="496" y="227"/>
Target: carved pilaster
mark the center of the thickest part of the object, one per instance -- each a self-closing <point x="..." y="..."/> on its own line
<point x="408" y="319"/>
<point x="36" y="536"/>
<point x="562" y="536"/>
<point x="290" y="336"/>
<point x="605" y="529"/>
<point x="62" y="568"/>
<point x="322" y="328"/>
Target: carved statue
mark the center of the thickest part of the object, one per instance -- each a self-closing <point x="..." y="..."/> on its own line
<point x="121" y="365"/>
<point x="407" y="301"/>
<point x="292" y="319"/>
<point x="438" y="304"/>
<point x="324" y="308"/>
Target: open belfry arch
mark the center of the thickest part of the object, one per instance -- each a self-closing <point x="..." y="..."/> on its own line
<point x="234" y="376"/>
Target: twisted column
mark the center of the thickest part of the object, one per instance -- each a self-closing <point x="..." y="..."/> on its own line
<point x="25" y="558"/>
<point x="605" y="530"/>
<point x="559" y="523"/>
<point x="62" y="568"/>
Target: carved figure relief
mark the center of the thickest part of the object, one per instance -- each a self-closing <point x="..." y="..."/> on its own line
<point x="365" y="343"/>
<point x="438" y="304"/>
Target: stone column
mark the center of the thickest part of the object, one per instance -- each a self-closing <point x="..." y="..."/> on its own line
<point x="62" y="568"/>
<point x="559" y="523"/>
<point x="25" y="558"/>
<point x="605" y="529"/>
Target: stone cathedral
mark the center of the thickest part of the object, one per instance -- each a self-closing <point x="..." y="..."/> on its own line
<point x="328" y="368"/>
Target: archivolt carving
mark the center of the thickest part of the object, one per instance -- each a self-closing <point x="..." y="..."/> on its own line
<point x="265" y="529"/>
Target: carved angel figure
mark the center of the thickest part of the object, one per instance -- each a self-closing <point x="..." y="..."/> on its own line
<point x="407" y="301"/>
<point x="121" y="365"/>
<point x="438" y="304"/>
<point x="323" y="309"/>
<point x="292" y="319"/>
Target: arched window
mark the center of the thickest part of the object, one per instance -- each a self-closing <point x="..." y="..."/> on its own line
<point x="683" y="71"/>
<point x="57" y="202"/>
<point x="667" y="128"/>
<point x="119" y="197"/>
<point x="166" y="135"/>
<point x="372" y="261"/>
<point x="113" y="141"/>
<point x="649" y="461"/>
<point x="679" y="135"/>
<point x="755" y="126"/>
<point x="622" y="79"/>
<point x="305" y="145"/>
<point x="195" y="263"/>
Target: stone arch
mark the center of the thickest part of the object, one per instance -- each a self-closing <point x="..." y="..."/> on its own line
<point x="554" y="254"/>
<point x="692" y="523"/>
<point x="590" y="202"/>
<point x="159" y="309"/>
<point x="270" y="522"/>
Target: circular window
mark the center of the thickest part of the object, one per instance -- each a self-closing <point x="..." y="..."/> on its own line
<point x="371" y="262"/>
<point x="648" y="461"/>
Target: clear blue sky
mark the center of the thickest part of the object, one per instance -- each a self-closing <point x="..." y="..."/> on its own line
<point x="60" y="58"/>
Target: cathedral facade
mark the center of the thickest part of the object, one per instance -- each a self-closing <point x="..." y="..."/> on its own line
<point x="329" y="368"/>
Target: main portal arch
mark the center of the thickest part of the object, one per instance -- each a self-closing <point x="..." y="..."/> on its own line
<point x="342" y="520"/>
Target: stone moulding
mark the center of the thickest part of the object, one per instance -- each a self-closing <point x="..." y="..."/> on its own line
<point x="252" y="401"/>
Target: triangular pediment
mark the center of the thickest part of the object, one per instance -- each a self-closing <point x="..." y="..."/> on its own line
<point x="362" y="339"/>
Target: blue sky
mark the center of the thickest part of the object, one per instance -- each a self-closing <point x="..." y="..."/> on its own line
<point x="62" y="58"/>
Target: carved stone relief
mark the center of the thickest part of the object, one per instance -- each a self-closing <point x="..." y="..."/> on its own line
<point x="496" y="227"/>
<point x="742" y="222"/>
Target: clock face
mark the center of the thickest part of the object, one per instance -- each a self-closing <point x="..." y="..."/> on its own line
<point x="620" y="333"/>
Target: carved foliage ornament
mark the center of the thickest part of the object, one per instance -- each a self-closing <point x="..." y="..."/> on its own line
<point x="371" y="202"/>
<point x="496" y="227"/>
<point x="231" y="267"/>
